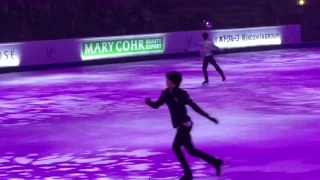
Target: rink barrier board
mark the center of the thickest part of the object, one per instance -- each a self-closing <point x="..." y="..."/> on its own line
<point x="149" y="58"/>
<point x="100" y="50"/>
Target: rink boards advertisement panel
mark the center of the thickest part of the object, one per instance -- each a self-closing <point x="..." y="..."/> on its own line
<point x="75" y="50"/>
<point x="39" y="53"/>
<point x="112" y="47"/>
<point x="10" y="55"/>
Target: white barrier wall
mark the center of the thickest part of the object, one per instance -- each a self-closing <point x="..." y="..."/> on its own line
<point x="73" y="50"/>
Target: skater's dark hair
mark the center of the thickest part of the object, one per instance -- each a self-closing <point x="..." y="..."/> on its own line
<point x="205" y="36"/>
<point x="175" y="77"/>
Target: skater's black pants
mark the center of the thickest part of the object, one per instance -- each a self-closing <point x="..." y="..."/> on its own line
<point x="211" y="60"/>
<point x="183" y="138"/>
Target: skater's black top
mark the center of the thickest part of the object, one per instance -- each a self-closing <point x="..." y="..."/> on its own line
<point x="177" y="101"/>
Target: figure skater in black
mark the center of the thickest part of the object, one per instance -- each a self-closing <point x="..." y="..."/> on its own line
<point x="206" y="48"/>
<point x="177" y="99"/>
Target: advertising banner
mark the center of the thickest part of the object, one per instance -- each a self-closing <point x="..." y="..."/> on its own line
<point x="10" y="55"/>
<point x="119" y="47"/>
<point x="235" y="38"/>
<point x="240" y="38"/>
<point x="51" y="52"/>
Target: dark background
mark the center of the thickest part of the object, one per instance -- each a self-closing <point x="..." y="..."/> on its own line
<point x="28" y="20"/>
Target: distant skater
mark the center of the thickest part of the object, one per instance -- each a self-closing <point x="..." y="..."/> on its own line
<point x="176" y="100"/>
<point x="206" y="48"/>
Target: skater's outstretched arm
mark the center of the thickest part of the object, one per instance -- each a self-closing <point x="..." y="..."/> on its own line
<point x="197" y="109"/>
<point x="199" y="48"/>
<point x="158" y="103"/>
<point x="190" y="49"/>
<point x="215" y="48"/>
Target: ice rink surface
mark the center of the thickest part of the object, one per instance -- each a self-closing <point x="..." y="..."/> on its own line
<point x="92" y="123"/>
